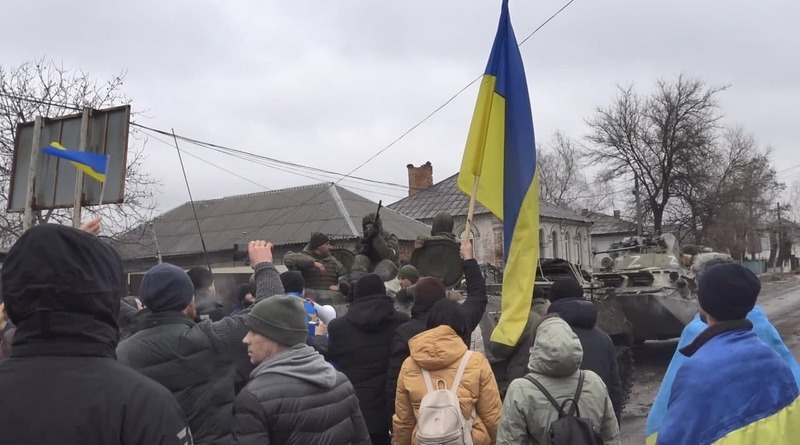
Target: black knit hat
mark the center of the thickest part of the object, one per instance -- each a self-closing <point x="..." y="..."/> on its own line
<point x="293" y="282"/>
<point x="280" y="318"/>
<point x="429" y="290"/>
<point x="370" y="284"/>
<point x="566" y="288"/>
<point x="728" y="291"/>
<point x="318" y="239"/>
<point x="166" y="288"/>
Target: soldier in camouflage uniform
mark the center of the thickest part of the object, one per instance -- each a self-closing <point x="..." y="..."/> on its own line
<point x="321" y="270"/>
<point x="378" y="251"/>
<point x="441" y="229"/>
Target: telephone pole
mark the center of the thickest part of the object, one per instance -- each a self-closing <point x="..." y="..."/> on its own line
<point x="638" y="205"/>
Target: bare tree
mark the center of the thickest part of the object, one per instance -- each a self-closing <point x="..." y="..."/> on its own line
<point x="42" y="88"/>
<point x="792" y="199"/>
<point x="562" y="180"/>
<point x="649" y="138"/>
<point x="726" y="197"/>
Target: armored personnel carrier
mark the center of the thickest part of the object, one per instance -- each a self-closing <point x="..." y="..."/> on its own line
<point x="645" y="292"/>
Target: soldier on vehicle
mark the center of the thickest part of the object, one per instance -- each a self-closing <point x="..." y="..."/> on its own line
<point x="378" y="250"/>
<point x="441" y="229"/>
<point x="320" y="269"/>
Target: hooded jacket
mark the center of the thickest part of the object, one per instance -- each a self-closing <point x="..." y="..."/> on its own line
<point x="304" y="262"/>
<point x="439" y="350"/>
<point x="359" y="346"/>
<point x="296" y="397"/>
<point x="555" y="362"/>
<point x="62" y="289"/>
<point x="172" y="350"/>
<point x="599" y="354"/>
<point x="472" y="309"/>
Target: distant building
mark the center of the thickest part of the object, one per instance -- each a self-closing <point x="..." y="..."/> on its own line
<point x="608" y="229"/>
<point x="285" y="218"/>
<point x="562" y="232"/>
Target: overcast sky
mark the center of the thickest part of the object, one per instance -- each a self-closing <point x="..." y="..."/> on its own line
<point x="330" y="83"/>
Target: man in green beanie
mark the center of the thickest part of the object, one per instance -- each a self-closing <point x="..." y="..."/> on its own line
<point x="408" y="276"/>
<point x="292" y="384"/>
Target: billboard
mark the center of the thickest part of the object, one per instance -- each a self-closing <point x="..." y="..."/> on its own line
<point x="54" y="185"/>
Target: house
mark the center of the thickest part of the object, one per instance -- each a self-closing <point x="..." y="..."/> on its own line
<point x="562" y="232"/>
<point x="284" y="217"/>
<point x="608" y="229"/>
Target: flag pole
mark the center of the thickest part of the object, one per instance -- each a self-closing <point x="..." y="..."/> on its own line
<point x="471" y="211"/>
<point x="103" y="187"/>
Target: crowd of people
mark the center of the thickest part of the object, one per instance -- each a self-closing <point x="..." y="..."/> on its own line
<point x="85" y="364"/>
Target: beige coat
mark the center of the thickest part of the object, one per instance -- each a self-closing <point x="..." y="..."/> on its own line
<point x="439" y="350"/>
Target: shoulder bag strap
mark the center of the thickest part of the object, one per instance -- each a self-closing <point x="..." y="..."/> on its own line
<point x="574" y="410"/>
<point x="427" y="377"/>
<point x="460" y="373"/>
<point x="553" y="402"/>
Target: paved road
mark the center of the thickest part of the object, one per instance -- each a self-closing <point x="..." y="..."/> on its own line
<point x="780" y="299"/>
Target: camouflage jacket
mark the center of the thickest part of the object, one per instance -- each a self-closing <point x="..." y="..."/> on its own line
<point x="314" y="278"/>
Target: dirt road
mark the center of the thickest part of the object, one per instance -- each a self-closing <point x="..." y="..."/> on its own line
<point x="780" y="299"/>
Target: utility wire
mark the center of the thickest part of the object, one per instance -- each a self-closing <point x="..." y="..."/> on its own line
<point x="194" y="210"/>
<point x="403" y="135"/>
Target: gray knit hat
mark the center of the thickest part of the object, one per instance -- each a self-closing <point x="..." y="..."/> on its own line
<point x="408" y="271"/>
<point x="280" y="318"/>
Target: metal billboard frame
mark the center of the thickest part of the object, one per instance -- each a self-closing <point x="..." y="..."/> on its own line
<point x="58" y="184"/>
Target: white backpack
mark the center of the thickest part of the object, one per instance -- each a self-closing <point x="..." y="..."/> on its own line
<point x="440" y="421"/>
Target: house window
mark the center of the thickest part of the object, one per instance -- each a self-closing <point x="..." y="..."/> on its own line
<point x="579" y="247"/>
<point x="555" y="244"/>
<point x="542" y="243"/>
<point x="568" y="249"/>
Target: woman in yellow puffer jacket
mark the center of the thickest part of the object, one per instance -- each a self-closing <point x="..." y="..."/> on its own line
<point x="439" y="350"/>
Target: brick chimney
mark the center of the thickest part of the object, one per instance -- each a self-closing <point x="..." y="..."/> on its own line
<point x="616" y="214"/>
<point x="419" y="178"/>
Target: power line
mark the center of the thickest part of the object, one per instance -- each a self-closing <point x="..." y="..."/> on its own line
<point x="210" y="163"/>
<point x="403" y="135"/>
<point x="272" y="167"/>
<point x="231" y="151"/>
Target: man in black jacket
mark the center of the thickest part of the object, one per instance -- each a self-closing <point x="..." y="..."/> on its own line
<point x="62" y="288"/>
<point x="359" y="345"/>
<point x="428" y="291"/>
<point x="205" y="295"/>
<point x="294" y="395"/>
<point x="599" y="355"/>
<point x="175" y="352"/>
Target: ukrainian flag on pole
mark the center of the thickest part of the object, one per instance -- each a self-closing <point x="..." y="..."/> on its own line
<point x="501" y="156"/>
<point x="93" y="164"/>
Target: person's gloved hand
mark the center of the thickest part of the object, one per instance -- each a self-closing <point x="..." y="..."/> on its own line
<point x="344" y="288"/>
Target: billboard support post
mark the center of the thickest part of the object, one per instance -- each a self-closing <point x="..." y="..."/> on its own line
<point x="27" y="221"/>
<point x="82" y="145"/>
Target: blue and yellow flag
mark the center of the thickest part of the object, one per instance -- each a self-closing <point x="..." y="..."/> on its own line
<point x="92" y="164"/>
<point x="501" y="151"/>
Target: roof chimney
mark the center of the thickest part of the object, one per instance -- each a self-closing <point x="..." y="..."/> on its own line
<point x="616" y="214"/>
<point x="584" y="212"/>
<point x="419" y="178"/>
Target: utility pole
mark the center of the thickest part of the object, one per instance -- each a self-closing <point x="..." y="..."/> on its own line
<point x="638" y="205"/>
<point x="779" y="255"/>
